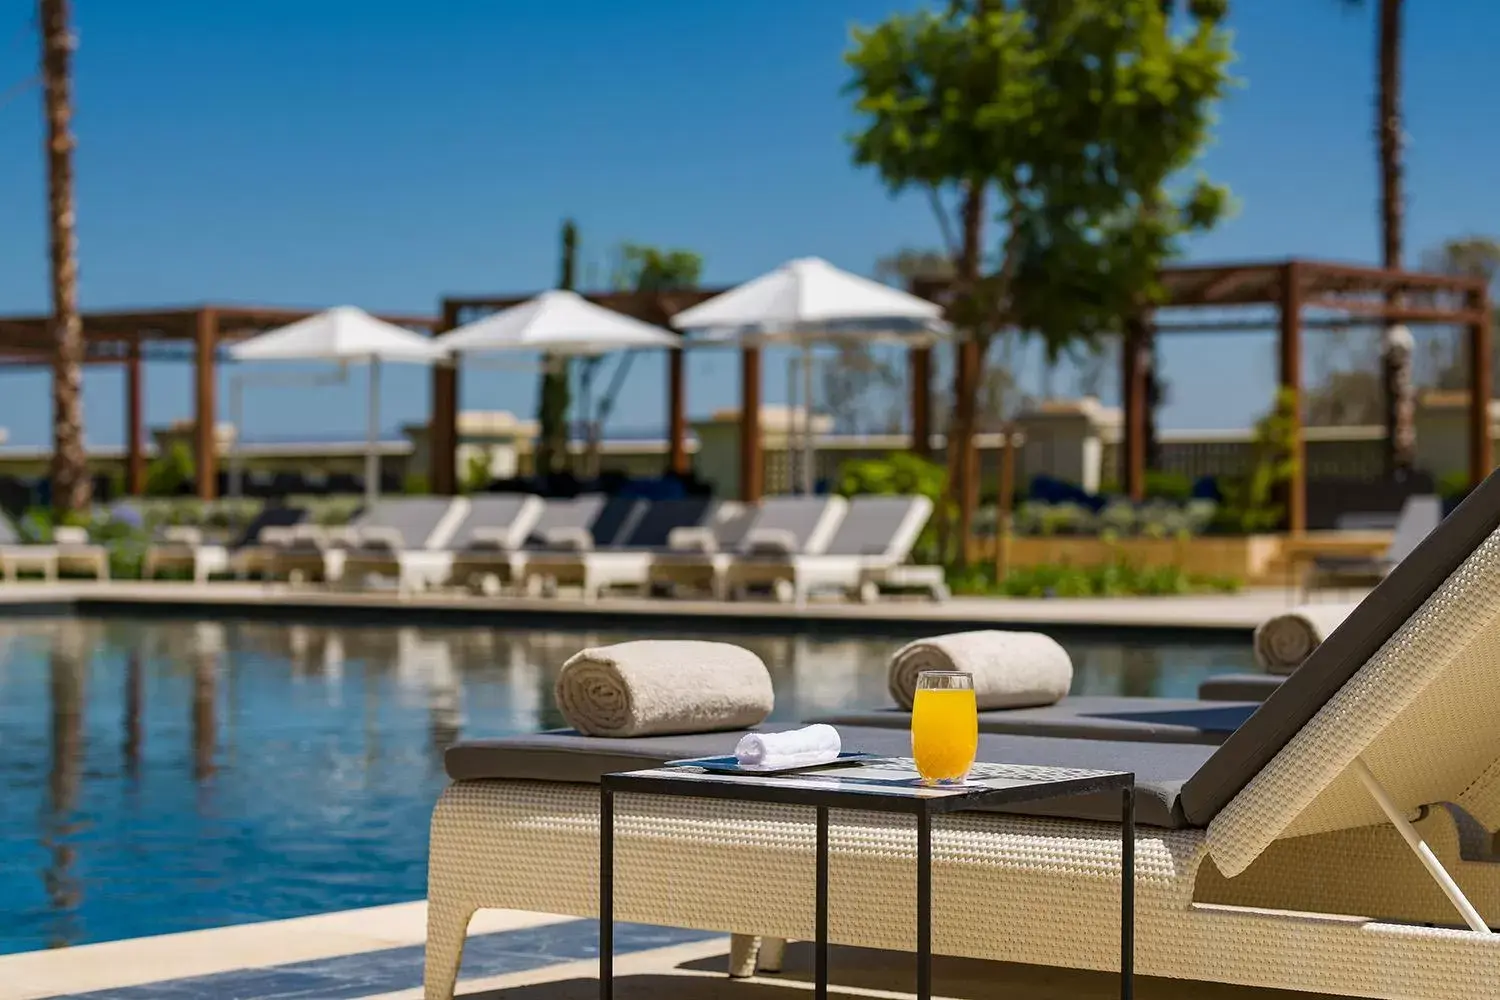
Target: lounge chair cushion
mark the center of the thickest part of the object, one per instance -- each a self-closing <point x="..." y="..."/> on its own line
<point x="1090" y="717"/>
<point x="1294" y="703"/>
<point x="1239" y="687"/>
<point x="565" y="756"/>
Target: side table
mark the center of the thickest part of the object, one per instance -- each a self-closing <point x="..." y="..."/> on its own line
<point x="889" y="785"/>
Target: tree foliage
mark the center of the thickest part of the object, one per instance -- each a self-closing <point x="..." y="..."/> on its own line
<point x="1070" y="123"/>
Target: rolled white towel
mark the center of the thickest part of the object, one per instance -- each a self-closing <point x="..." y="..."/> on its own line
<point x="662" y="686"/>
<point x="804" y="747"/>
<point x="1283" y="641"/>
<point x="1011" y="669"/>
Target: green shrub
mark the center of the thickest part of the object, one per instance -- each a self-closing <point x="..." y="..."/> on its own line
<point x="415" y="484"/>
<point x="1251" y="505"/>
<point x="903" y="474"/>
<point x="1453" y="485"/>
<point x="169" y="473"/>
<point x="1168" y="486"/>
<point x="1114" y="579"/>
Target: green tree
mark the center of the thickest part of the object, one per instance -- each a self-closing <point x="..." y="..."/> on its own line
<point x="555" y="396"/>
<point x="1468" y="257"/>
<point x="1064" y="123"/>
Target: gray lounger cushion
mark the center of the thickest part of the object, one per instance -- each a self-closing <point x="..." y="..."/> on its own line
<point x="870" y="527"/>
<point x="414" y="519"/>
<point x="1239" y="687"/>
<point x="565" y="756"/>
<point x="1293" y="704"/>
<point x="1089" y="717"/>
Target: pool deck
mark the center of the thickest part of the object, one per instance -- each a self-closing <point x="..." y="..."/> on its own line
<point x="1235" y="612"/>
<point x="376" y="954"/>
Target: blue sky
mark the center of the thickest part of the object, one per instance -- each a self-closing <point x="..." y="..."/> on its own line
<point x="384" y="153"/>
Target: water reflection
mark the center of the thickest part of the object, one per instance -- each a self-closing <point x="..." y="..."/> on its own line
<point x="321" y="748"/>
<point x="66" y="666"/>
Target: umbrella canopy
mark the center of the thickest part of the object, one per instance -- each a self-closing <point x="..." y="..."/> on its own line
<point x="341" y="334"/>
<point x="810" y="299"/>
<point x="557" y="322"/>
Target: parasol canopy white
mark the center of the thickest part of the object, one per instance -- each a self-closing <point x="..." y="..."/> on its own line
<point x="557" y="322"/>
<point x="346" y="334"/>
<point x="806" y="301"/>
<point x="809" y="299"/>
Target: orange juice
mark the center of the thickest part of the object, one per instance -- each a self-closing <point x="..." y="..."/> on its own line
<point x="944" y="733"/>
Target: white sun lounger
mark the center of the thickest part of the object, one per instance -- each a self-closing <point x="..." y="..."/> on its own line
<point x="490" y="558"/>
<point x="1340" y="841"/>
<point x="405" y="539"/>
<point x="69" y="549"/>
<point x="780" y="526"/>
<point x="183" y="547"/>
<point x="869" y="548"/>
<point x="627" y="562"/>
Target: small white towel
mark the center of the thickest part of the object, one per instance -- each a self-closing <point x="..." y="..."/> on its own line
<point x="804" y="747"/>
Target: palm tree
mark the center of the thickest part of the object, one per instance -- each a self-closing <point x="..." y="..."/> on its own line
<point x="1400" y="402"/>
<point x="70" y="479"/>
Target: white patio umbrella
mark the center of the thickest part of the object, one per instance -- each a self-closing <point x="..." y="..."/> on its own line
<point x="806" y="301"/>
<point x="347" y="335"/>
<point x="557" y="322"/>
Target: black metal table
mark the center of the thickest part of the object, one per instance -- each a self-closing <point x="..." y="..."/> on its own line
<point x="882" y="786"/>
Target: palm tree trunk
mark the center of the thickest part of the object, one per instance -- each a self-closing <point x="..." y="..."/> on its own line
<point x="966" y="373"/>
<point x="70" y="479"/>
<point x="1400" y="401"/>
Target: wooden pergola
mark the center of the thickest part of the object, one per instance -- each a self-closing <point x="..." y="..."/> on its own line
<point x="188" y="333"/>
<point x="1340" y="296"/>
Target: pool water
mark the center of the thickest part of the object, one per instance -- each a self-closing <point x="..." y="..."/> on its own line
<point x="160" y="776"/>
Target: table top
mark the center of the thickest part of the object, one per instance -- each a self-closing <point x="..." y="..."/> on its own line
<point x="889" y="784"/>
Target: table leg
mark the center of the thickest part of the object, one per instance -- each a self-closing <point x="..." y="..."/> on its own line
<point x="820" y="948"/>
<point x="1127" y="895"/>
<point x="606" y="894"/>
<point x="924" y="906"/>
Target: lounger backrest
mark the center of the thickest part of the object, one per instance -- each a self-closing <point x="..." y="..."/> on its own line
<point x="507" y="516"/>
<point x="659" y="517"/>
<point x="1408" y="684"/>
<point x="422" y="522"/>
<point x="880" y="526"/>
<point x="729" y="522"/>
<point x="617" y="519"/>
<point x="573" y="512"/>
<point x="810" y="520"/>
<point x="1419" y="516"/>
<point x="8" y="535"/>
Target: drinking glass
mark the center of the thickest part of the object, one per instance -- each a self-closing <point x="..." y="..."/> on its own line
<point x="944" y="725"/>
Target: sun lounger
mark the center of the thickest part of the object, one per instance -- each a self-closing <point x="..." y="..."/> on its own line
<point x="498" y="524"/>
<point x="697" y="559"/>
<point x="868" y="549"/>
<point x="406" y="539"/>
<point x="489" y="559"/>
<point x="1419" y="516"/>
<point x="1088" y="717"/>
<point x="69" y="550"/>
<point x="553" y="556"/>
<point x="627" y="561"/>
<point x="781" y="527"/>
<point x="1286" y="858"/>
<point x="401" y="537"/>
<point x="1239" y="687"/>
<point x="185" y="548"/>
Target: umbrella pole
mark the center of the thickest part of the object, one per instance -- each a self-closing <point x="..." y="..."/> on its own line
<point x="809" y="479"/>
<point x="372" y="438"/>
<point x="237" y="418"/>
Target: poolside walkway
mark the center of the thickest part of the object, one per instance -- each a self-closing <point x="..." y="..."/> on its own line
<point x="376" y="954"/>
<point x="1229" y="611"/>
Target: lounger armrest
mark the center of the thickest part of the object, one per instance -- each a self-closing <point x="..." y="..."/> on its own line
<point x="70" y="535"/>
<point x="699" y="540"/>
<point x="182" y="534"/>
<point x="770" y="542"/>
<point x="380" y="539"/>
<point x="492" y="539"/>
<point x="568" y="539"/>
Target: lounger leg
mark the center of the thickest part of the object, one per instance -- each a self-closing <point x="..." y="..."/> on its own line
<point x="447" y="923"/>
<point x="743" y="950"/>
<point x="772" y="951"/>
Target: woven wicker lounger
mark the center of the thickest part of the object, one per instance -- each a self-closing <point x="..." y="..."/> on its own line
<point x="1286" y="859"/>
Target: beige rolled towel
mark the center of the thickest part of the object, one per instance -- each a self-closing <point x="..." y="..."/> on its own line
<point x="1011" y="669"/>
<point x="656" y="687"/>
<point x="1283" y="641"/>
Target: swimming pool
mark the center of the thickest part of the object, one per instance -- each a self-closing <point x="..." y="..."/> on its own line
<point x="160" y="776"/>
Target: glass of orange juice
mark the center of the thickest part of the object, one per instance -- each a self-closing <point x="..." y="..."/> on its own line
<point x="944" y="725"/>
